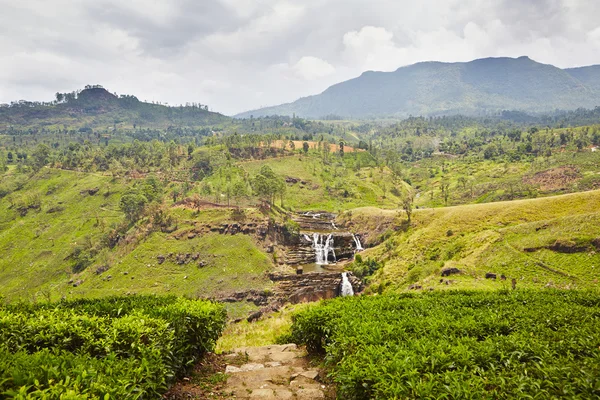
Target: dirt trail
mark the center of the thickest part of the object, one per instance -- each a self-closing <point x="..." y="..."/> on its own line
<point x="273" y="372"/>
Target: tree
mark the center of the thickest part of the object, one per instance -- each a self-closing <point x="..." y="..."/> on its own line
<point x="175" y="193"/>
<point x="239" y="190"/>
<point x="40" y="156"/>
<point x="445" y="188"/>
<point x="342" y="144"/>
<point x="406" y="201"/>
<point x="292" y="146"/>
<point x="305" y="147"/>
<point x="132" y="204"/>
<point x="267" y="184"/>
<point x="152" y="188"/>
<point x="262" y="188"/>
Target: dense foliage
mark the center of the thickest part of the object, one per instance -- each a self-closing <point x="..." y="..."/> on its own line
<point x="112" y="348"/>
<point x="524" y="344"/>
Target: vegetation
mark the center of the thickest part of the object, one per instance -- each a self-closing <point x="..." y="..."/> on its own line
<point x="458" y="344"/>
<point x="103" y="195"/>
<point x="113" y="348"/>
<point x="548" y="242"/>
<point x="479" y="87"/>
<point x="259" y="333"/>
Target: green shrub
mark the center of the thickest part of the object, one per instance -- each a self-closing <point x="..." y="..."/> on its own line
<point x="365" y="268"/>
<point x="124" y="347"/>
<point x="453" y="345"/>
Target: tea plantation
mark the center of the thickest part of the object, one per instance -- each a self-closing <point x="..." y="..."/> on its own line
<point x="113" y="348"/>
<point x="451" y="345"/>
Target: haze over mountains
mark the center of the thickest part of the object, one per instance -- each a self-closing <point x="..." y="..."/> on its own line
<point x="478" y="87"/>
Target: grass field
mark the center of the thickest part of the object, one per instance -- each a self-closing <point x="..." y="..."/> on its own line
<point x="540" y="242"/>
<point x="334" y="187"/>
<point x="60" y="216"/>
<point x="476" y="180"/>
<point x="48" y="216"/>
<point x="36" y="247"/>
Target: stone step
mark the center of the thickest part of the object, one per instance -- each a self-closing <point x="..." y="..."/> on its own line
<point x="273" y="372"/>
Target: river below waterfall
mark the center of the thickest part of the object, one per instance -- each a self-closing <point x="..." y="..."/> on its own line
<point x="314" y="267"/>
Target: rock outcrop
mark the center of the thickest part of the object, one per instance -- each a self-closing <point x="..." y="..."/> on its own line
<point x="312" y="286"/>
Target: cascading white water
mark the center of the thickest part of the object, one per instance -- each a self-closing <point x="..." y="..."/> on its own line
<point x="346" y="289"/>
<point x="357" y="242"/>
<point x="322" y="250"/>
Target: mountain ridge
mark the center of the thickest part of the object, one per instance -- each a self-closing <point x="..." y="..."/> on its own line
<point x="96" y="107"/>
<point x="429" y="88"/>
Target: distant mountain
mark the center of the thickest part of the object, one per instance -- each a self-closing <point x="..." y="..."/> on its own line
<point x="478" y="87"/>
<point x="96" y="107"/>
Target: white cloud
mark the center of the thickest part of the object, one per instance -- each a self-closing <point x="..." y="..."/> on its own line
<point x="372" y="48"/>
<point x="311" y="68"/>
<point x="237" y="55"/>
<point x="258" y="33"/>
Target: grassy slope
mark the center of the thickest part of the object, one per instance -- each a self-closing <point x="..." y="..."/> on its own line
<point x="487" y="237"/>
<point x="492" y="238"/>
<point x="35" y="247"/>
<point x="490" y="180"/>
<point x="324" y="187"/>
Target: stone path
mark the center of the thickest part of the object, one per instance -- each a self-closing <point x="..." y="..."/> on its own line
<point x="272" y="372"/>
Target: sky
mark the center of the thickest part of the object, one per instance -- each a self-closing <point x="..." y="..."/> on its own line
<point x="238" y="55"/>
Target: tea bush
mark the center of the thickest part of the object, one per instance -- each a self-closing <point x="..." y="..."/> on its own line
<point x="468" y="345"/>
<point x="117" y="347"/>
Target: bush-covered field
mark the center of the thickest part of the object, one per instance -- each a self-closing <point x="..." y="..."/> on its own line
<point x="467" y="345"/>
<point x="111" y="348"/>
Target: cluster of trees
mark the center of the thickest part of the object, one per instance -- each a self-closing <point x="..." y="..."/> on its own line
<point x="119" y="159"/>
<point x="134" y="201"/>
<point x="267" y="185"/>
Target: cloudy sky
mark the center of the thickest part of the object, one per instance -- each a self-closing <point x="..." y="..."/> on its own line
<point x="236" y="55"/>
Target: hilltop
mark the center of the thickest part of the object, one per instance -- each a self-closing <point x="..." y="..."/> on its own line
<point x="96" y="107"/>
<point x="480" y="87"/>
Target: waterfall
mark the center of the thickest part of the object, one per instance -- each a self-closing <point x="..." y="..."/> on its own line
<point x="357" y="242"/>
<point x="322" y="250"/>
<point x="346" y="288"/>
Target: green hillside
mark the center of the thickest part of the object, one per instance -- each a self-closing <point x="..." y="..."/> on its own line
<point x="481" y="87"/>
<point x="94" y="107"/>
<point x="56" y="240"/>
<point x="549" y="242"/>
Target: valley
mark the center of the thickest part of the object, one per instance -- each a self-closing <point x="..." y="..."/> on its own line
<point x="273" y="220"/>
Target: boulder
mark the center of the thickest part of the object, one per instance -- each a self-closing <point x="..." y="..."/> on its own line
<point x="254" y="316"/>
<point x="450" y="271"/>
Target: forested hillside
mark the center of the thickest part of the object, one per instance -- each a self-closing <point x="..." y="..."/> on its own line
<point x="480" y="87"/>
<point x="95" y="107"/>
